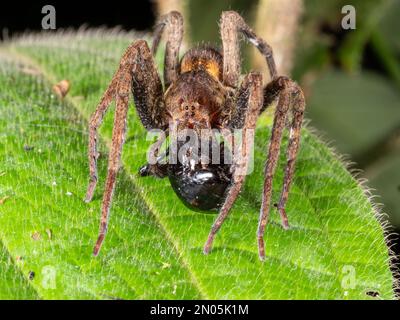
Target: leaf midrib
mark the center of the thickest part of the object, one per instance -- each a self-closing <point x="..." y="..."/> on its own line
<point x="49" y="78"/>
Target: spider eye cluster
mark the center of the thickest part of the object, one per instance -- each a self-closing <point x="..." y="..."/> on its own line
<point x="189" y="108"/>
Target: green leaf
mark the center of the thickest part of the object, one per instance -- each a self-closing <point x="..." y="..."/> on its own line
<point x="335" y="248"/>
<point x="13" y="283"/>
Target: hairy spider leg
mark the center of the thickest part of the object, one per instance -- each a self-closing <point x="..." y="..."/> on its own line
<point x="136" y="71"/>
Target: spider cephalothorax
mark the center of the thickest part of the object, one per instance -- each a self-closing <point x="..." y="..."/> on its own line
<point x="202" y="92"/>
<point x="195" y="100"/>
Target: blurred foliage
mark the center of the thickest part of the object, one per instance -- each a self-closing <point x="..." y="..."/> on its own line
<point x="351" y="79"/>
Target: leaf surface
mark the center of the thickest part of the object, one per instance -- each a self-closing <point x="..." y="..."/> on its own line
<point x="335" y="248"/>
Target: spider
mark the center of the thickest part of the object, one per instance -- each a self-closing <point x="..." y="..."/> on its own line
<point x="202" y="90"/>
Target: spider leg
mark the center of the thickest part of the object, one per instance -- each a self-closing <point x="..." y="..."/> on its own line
<point x="250" y="98"/>
<point x="147" y="91"/>
<point x="118" y="136"/>
<point x="157" y="169"/>
<point x="173" y="23"/>
<point x="136" y="73"/>
<point x="298" y="106"/>
<point x="95" y="122"/>
<point x="231" y="25"/>
<point x="271" y="93"/>
<point x="291" y="98"/>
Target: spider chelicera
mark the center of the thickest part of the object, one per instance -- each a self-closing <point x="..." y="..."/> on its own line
<point x="202" y="91"/>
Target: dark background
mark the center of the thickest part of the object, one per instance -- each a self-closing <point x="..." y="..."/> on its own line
<point x="17" y="16"/>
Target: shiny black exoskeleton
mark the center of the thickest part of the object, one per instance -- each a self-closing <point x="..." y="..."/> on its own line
<point x="202" y="189"/>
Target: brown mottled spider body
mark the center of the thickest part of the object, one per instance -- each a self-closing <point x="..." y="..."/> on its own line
<point x="196" y="100"/>
<point x="202" y="91"/>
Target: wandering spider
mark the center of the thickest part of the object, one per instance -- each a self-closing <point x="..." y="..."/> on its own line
<point x="201" y="91"/>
